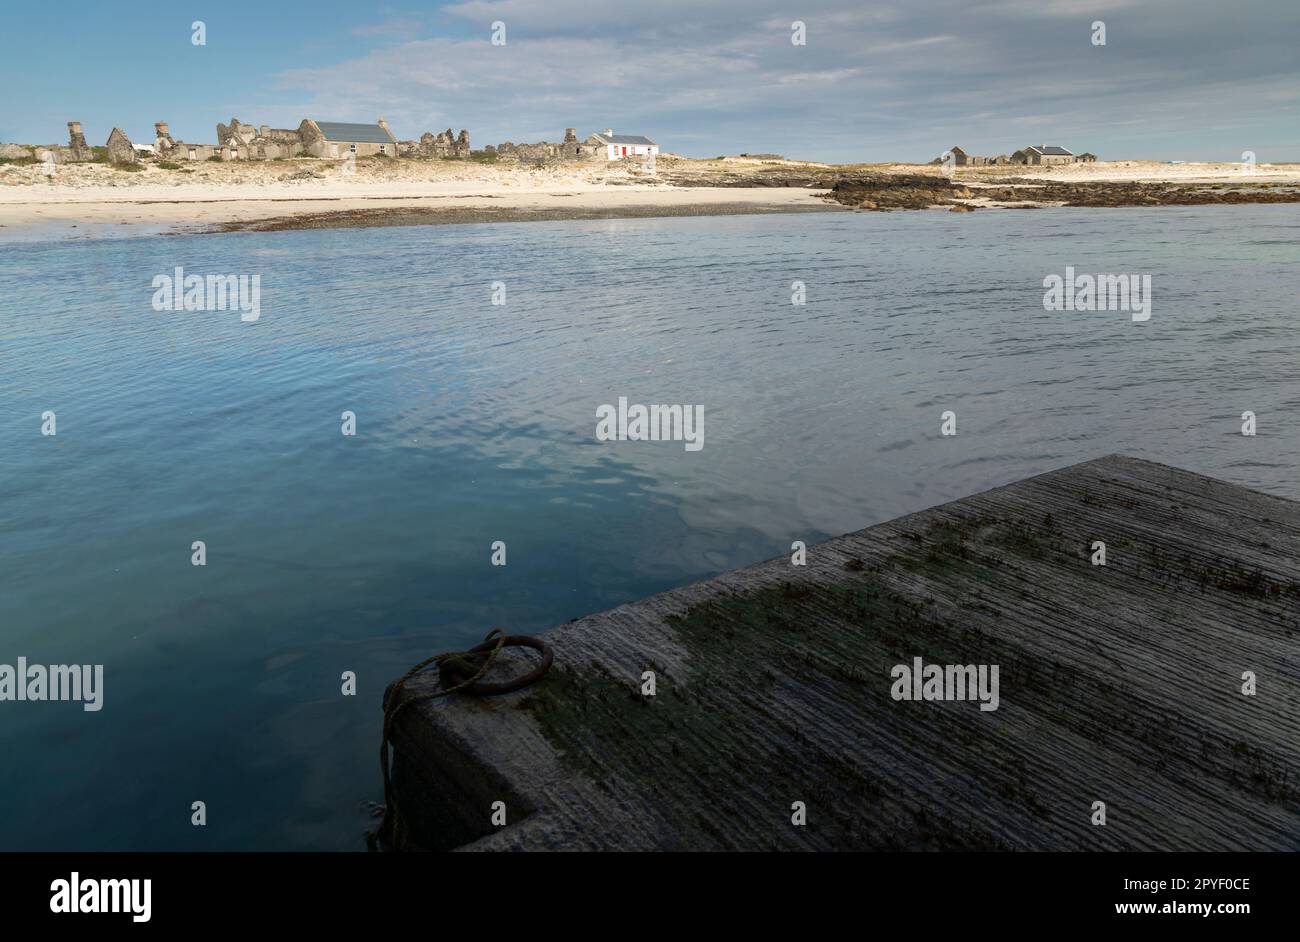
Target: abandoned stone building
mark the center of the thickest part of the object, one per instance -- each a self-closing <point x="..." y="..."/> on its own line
<point x="316" y="138"/>
<point x="337" y="139"/>
<point x="956" y="157"/>
<point x="1037" y="155"/>
<point x="568" y="149"/>
<point x="606" y="145"/>
<point x="444" y="144"/>
<point x="1043" y="154"/>
<point x="120" y="148"/>
<point x="312" y="138"/>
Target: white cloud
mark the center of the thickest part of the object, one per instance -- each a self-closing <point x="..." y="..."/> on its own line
<point x="872" y="81"/>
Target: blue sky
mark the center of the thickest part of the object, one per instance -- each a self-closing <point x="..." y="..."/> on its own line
<point x="1177" y="79"/>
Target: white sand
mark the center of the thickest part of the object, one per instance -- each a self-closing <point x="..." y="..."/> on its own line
<point x="217" y="193"/>
<point x="206" y="193"/>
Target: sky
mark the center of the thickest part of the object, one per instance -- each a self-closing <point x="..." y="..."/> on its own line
<point x="1175" y="80"/>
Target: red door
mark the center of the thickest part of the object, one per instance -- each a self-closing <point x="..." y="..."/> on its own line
<point x="624" y="151"/>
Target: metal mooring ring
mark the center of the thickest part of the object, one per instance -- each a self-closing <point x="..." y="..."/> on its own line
<point x="483" y="689"/>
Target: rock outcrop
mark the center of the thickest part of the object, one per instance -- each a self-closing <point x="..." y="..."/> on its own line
<point x="1123" y="193"/>
<point x="898" y="191"/>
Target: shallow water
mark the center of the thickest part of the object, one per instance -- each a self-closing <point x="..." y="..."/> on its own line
<point x="476" y="423"/>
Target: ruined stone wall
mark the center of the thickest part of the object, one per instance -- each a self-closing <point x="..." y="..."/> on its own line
<point x="262" y="149"/>
<point x="183" y="151"/>
<point x="569" y="149"/>
<point x="280" y="135"/>
<point x="120" y="149"/>
<point x="241" y="141"/>
<point x="444" y="144"/>
<point x="78" y="149"/>
<point x="508" y="150"/>
<point x="313" y="139"/>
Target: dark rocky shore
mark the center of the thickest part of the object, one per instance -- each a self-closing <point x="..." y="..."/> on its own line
<point x="1143" y="194"/>
<point x="870" y="190"/>
<point x="447" y="216"/>
<point x="921" y="191"/>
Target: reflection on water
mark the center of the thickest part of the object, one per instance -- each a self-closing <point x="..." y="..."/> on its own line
<point x="476" y="423"/>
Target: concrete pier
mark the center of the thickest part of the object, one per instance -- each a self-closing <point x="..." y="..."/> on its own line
<point x="1119" y="683"/>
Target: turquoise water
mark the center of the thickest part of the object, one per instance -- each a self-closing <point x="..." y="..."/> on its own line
<point x="476" y="423"/>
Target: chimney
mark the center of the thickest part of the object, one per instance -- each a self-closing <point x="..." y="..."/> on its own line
<point x="608" y="131"/>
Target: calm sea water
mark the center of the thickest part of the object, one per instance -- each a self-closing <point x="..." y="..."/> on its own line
<point x="476" y="423"/>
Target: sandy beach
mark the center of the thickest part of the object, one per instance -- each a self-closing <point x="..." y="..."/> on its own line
<point x="312" y="193"/>
<point x="213" y="194"/>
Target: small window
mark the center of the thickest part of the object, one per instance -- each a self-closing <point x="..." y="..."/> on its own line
<point x="352" y="148"/>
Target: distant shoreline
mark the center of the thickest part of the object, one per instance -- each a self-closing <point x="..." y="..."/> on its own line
<point x="266" y="196"/>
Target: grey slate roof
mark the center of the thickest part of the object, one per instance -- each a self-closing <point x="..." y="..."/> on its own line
<point x="1051" y="150"/>
<point x="342" y="131"/>
<point x="623" y="139"/>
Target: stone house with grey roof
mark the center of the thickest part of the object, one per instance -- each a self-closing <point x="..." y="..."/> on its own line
<point x="1043" y="154"/>
<point x="342" y="138"/>
<point x="1038" y="154"/>
<point x="240" y="141"/>
<point x="618" y="146"/>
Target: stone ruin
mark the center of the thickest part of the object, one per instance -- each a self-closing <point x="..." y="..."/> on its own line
<point x="78" y="149"/>
<point x="241" y="141"/>
<point x="163" y="144"/>
<point x="445" y="144"/>
<point x="569" y="149"/>
<point x="120" y="148"/>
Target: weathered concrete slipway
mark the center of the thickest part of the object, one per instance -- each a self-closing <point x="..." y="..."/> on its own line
<point x="1118" y="683"/>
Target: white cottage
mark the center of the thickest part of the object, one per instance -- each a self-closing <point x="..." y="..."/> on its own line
<point x="618" y="146"/>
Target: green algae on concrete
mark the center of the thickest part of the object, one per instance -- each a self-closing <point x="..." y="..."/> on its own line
<point x="1119" y="683"/>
